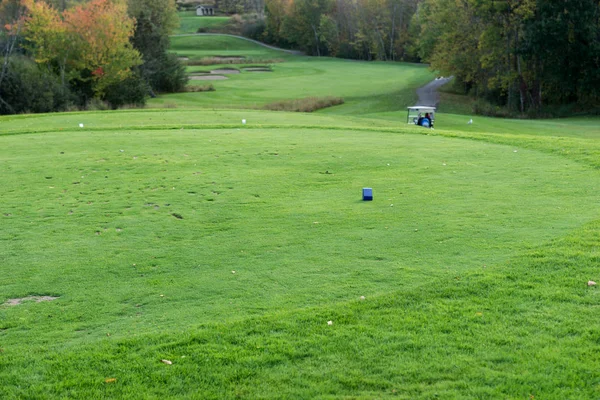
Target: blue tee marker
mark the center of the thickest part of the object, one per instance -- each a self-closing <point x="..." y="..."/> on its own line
<point x="367" y="194"/>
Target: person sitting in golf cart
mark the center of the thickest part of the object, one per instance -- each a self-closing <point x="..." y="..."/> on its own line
<point x="419" y="120"/>
<point x="415" y="116"/>
<point x="426" y="122"/>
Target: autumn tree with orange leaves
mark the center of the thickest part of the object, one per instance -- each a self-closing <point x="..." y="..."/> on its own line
<point x="86" y="43"/>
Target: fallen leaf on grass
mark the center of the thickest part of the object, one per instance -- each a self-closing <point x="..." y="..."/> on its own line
<point x="329" y="322"/>
<point x="591" y="283"/>
<point x="110" y="380"/>
<point x="166" y="362"/>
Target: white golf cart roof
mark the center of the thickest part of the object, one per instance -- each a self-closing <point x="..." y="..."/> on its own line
<point x="421" y="108"/>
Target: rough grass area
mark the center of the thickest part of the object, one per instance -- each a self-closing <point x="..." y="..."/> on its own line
<point x="199" y="88"/>
<point x="308" y="104"/>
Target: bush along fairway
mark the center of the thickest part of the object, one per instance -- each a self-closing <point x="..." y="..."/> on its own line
<point x="213" y="253"/>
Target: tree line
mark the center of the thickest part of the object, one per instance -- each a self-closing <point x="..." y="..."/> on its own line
<point x="66" y="54"/>
<point x="358" y="29"/>
<point x="518" y="56"/>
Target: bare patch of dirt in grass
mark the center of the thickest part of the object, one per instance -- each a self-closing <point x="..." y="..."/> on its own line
<point x="37" y="299"/>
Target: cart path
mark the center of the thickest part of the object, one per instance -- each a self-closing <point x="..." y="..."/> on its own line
<point x="295" y="52"/>
<point x="428" y="94"/>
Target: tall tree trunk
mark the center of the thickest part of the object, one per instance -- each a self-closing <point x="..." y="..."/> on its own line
<point x="508" y="69"/>
<point x="8" y="50"/>
<point x="520" y="73"/>
<point x="522" y="87"/>
<point x="316" y="39"/>
<point x="382" y="44"/>
<point x="393" y="32"/>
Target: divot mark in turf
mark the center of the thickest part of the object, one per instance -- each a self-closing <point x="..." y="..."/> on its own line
<point x="37" y="299"/>
<point x="178" y="216"/>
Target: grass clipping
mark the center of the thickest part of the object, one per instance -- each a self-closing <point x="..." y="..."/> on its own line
<point x="307" y="104"/>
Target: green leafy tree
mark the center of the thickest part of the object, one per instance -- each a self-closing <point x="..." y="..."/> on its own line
<point x="302" y="25"/>
<point x="155" y="21"/>
<point x="522" y="54"/>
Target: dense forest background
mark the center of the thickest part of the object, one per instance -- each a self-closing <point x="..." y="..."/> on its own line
<point x="526" y="56"/>
<point x="516" y="57"/>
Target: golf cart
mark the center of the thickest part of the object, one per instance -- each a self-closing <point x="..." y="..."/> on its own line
<point x="416" y="114"/>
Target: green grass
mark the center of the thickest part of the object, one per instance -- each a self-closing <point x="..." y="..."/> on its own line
<point x="190" y="22"/>
<point x="473" y="258"/>
<point x="365" y="87"/>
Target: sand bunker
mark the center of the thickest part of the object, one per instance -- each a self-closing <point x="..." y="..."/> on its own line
<point x="208" y="77"/>
<point x="37" y="299"/>
<point x="225" y="71"/>
<point x="258" y="69"/>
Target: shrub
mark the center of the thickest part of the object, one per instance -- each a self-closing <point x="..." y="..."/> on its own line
<point x="253" y="28"/>
<point x="132" y="91"/>
<point x="170" y="75"/>
<point x="96" y="104"/>
<point x="483" y="107"/>
<point x="308" y="104"/>
<point x="29" y="88"/>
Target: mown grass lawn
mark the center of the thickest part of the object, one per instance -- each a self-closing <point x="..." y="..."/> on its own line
<point x="365" y="87"/>
<point x="183" y="235"/>
<point x="190" y="22"/>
